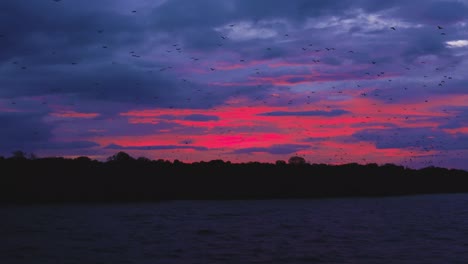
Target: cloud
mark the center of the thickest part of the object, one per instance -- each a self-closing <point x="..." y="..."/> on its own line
<point x="419" y="138"/>
<point x="457" y="43"/>
<point x="30" y="133"/>
<point x="66" y="145"/>
<point x="280" y="149"/>
<point x="442" y="11"/>
<point x="247" y="30"/>
<point x="425" y="41"/>
<point x="433" y="12"/>
<point x="316" y="139"/>
<point x="192" y="117"/>
<point x="157" y="147"/>
<point x="23" y="131"/>
<point x="459" y="118"/>
<point x="332" y="113"/>
<point x="74" y="114"/>
<point x="201" y="118"/>
<point x="454" y="123"/>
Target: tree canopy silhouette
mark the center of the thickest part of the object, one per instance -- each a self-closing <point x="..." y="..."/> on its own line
<point x="120" y="157"/>
<point x="18" y="154"/>
<point x="296" y="160"/>
<point x="123" y="179"/>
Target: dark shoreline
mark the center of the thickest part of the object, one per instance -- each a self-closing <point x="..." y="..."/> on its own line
<point x="81" y="180"/>
<point x="4" y="204"/>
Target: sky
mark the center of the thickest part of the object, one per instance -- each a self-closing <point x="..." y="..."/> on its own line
<point x="241" y="80"/>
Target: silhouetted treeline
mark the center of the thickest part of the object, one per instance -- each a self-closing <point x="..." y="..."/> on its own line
<point x="125" y="179"/>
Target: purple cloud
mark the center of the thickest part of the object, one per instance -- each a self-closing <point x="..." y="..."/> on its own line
<point x="335" y="112"/>
<point x="419" y="138"/>
<point x="280" y="149"/>
<point x="156" y="147"/>
<point x="201" y="118"/>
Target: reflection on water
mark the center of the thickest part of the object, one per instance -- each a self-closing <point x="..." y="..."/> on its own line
<point x="412" y="229"/>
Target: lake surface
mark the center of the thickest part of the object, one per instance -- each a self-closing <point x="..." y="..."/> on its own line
<point x="409" y="229"/>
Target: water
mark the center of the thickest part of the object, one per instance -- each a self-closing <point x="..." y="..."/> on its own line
<point x="411" y="229"/>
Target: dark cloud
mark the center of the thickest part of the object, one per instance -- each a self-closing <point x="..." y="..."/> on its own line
<point x="206" y="13"/>
<point x="192" y="117"/>
<point x="201" y="118"/>
<point x="67" y="145"/>
<point x="419" y="138"/>
<point x="158" y="147"/>
<point x="280" y="149"/>
<point x="335" y="112"/>
<point x="449" y="86"/>
<point x="122" y="127"/>
<point x="33" y="29"/>
<point x="316" y="139"/>
<point x="110" y="82"/>
<point x="28" y="132"/>
<point x="434" y="12"/>
<point x="458" y="118"/>
<point x="23" y="131"/>
<point x="48" y="42"/>
<point x="454" y="123"/>
<point x="389" y="125"/>
<point x="425" y="41"/>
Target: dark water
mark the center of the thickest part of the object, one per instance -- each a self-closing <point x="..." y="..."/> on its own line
<point x="412" y="229"/>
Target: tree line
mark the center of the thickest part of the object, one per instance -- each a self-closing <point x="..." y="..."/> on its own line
<point x="122" y="178"/>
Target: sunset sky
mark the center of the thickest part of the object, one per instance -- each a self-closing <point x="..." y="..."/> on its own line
<point x="242" y="80"/>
